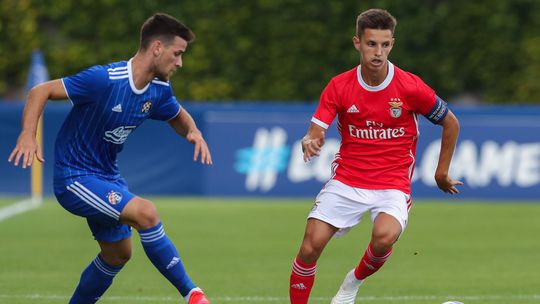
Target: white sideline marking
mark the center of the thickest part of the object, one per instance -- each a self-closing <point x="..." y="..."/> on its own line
<point x="19" y="207"/>
<point x="263" y="299"/>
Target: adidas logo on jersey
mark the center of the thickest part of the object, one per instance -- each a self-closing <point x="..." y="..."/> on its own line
<point x="353" y="109"/>
<point x="117" y="108"/>
<point x="300" y="286"/>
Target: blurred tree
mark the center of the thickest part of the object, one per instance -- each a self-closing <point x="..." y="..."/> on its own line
<point x="18" y="33"/>
<point x="287" y="50"/>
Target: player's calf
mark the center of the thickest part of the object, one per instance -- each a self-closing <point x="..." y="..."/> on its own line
<point x="370" y="263"/>
<point x="94" y="281"/>
<point x="163" y="254"/>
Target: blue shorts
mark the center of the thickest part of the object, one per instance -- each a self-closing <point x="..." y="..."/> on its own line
<point x="98" y="200"/>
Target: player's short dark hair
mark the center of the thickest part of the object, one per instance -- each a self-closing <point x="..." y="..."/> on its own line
<point x="375" y="19"/>
<point x="164" y="27"/>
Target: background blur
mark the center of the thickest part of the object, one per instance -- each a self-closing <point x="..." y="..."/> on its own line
<point x="253" y="76"/>
<point x="485" y="51"/>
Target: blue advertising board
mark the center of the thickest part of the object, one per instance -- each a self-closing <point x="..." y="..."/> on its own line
<point x="497" y="156"/>
<point x="256" y="152"/>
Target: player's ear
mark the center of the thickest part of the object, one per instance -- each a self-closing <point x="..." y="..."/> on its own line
<point x="356" y="42"/>
<point x="157" y="47"/>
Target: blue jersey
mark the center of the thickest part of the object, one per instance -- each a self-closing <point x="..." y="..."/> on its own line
<point x="107" y="107"/>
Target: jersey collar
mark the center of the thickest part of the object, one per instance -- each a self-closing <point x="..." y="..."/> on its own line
<point x="132" y="83"/>
<point x="379" y="87"/>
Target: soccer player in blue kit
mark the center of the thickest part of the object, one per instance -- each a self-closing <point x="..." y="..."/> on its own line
<point x="110" y="102"/>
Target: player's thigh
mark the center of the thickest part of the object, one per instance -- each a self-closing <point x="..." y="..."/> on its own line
<point x="140" y="213"/>
<point x="386" y="230"/>
<point x="393" y="203"/>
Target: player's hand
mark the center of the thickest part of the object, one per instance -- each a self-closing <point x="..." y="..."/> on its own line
<point x="311" y="146"/>
<point x="446" y="184"/>
<point x="201" y="148"/>
<point x="25" y="150"/>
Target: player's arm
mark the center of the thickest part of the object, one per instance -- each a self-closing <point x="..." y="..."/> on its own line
<point x="313" y="141"/>
<point x="320" y="121"/>
<point x="450" y="131"/>
<point x="26" y="146"/>
<point x="184" y="125"/>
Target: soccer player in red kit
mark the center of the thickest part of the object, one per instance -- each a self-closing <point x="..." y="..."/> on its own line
<point x="377" y="105"/>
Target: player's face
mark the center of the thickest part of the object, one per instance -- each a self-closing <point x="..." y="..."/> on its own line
<point x="374" y="46"/>
<point x="169" y="58"/>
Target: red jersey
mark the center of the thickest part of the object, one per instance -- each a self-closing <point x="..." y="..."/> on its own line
<point x="378" y="126"/>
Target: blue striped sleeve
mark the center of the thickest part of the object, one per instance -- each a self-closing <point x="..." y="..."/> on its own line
<point x="86" y="86"/>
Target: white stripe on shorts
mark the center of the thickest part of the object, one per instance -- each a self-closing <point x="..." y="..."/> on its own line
<point x="93" y="200"/>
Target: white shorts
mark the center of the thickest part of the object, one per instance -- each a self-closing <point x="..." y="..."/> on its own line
<point x="343" y="206"/>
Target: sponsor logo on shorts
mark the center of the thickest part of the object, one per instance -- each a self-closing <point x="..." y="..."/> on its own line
<point x="114" y="197"/>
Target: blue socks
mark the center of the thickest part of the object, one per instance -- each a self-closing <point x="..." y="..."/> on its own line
<point x="95" y="279"/>
<point x="161" y="251"/>
<point x="98" y="275"/>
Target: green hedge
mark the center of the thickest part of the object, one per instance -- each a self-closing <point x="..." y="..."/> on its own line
<point x="286" y="49"/>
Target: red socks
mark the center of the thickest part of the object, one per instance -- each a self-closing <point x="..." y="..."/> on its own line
<point x="303" y="275"/>
<point x="302" y="278"/>
<point x="369" y="264"/>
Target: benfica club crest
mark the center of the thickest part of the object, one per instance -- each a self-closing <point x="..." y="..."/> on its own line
<point x="146" y="106"/>
<point x="395" y="107"/>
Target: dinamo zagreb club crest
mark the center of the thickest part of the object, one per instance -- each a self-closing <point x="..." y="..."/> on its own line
<point x="114" y="197"/>
<point x="146" y="106"/>
<point x="395" y="110"/>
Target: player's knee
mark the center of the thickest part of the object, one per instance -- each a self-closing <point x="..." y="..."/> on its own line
<point x="118" y="258"/>
<point x="383" y="241"/>
<point x="381" y="246"/>
<point x="309" y="253"/>
<point x="147" y="215"/>
<point x="123" y="258"/>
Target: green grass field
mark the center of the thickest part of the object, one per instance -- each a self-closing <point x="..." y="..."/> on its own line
<point x="5" y="202"/>
<point x="240" y="251"/>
